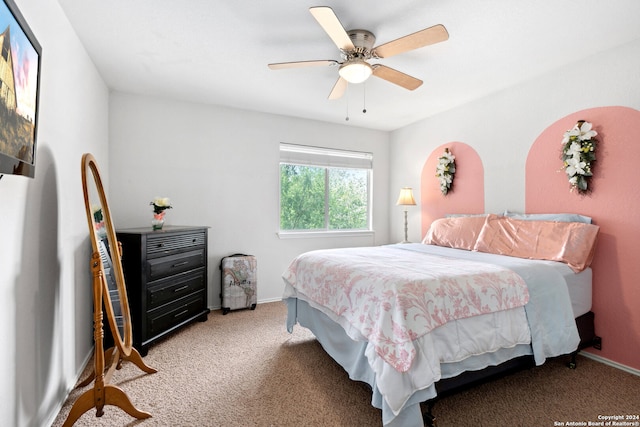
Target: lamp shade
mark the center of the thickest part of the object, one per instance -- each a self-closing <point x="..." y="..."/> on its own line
<point x="406" y="197"/>
<point x="355" y="71"/>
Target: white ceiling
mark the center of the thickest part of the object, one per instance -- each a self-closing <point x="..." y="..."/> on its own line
<point x="217" y="51"/>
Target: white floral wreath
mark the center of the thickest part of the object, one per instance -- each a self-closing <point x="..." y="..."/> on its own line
<point x="445" y="170"/>
<point x="578" y="151"/>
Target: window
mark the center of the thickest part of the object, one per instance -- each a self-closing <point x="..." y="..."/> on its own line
<point x="324" y="189"/>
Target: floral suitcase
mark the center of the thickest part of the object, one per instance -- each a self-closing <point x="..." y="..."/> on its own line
<point x="239" y="282"/>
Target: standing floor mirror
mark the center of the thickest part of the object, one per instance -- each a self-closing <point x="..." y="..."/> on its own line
<point x="109" y="291"/>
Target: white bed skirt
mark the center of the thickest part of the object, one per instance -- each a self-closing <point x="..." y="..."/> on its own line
<point x="351" y="356"/>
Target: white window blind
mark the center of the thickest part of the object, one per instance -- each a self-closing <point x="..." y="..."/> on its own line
<point x="325" y="157"/>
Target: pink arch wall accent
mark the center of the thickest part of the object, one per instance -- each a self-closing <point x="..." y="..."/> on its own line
<point x="614" y="205"/>
<point x="466" y="194"/>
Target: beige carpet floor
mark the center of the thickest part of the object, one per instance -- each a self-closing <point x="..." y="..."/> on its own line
<point x="244" y="369"/>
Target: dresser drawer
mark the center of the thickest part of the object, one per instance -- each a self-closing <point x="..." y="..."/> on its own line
<point x="167" y="244"/>
<point x="158" y="268"/>
<point x="166" y="317"/>
<point x="174" y="288"/>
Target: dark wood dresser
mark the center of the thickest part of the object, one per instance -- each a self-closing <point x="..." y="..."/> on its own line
<point x="166" y="277"/>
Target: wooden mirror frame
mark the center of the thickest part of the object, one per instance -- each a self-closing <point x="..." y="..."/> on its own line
<point x="122" y="338"/>
<point x="111" y="359"/>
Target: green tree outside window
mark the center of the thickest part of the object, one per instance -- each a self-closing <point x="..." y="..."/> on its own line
<point x="322" y="198"/>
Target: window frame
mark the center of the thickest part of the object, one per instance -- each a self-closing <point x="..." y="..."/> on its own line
<point x="326" y="158"/>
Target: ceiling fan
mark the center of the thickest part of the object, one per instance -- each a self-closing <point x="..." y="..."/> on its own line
<point x="356" y="47"/>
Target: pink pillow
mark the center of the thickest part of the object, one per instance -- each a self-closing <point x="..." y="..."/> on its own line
<point x="572" y="243"/>
<point x="456" y="232"/>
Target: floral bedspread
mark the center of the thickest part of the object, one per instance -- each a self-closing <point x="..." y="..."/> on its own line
<point x="392" y="296"/>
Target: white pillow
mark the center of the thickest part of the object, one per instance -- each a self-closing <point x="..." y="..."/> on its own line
<point x="561" y="217"/>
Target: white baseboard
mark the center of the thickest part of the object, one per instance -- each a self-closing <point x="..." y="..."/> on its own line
<point x="611" y="363"/>
<point x="262" y="301"/>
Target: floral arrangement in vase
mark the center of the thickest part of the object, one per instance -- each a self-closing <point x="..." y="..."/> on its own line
<point x="160" y="205"/>
<point x="445" y="170"/>
<point x="98" y="221"/>
<point x="578" y="152"/>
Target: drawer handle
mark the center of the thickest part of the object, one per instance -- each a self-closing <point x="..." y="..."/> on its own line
<point x="181" y="288"/>
<point x="181" y="313"/>
<point x="179" y="264"/>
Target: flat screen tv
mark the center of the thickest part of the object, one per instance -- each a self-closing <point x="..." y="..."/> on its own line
<point x="19" y="92"/>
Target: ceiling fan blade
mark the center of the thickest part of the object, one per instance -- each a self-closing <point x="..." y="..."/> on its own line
<point x="338" y="88"/>
<point x="300" y="64"/>
<point x="331" y="24"/>
<point x="436" y="34"/>
<point x="396" y="77"/>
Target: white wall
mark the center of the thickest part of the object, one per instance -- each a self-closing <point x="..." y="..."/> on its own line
<point x="220" y="168"/>
<point x="45" y="292"/>
<point x="502" y="126"/>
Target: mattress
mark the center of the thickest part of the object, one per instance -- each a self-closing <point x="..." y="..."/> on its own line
<point x="579" y="286"/>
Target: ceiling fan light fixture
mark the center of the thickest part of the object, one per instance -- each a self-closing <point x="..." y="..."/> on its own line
<point x="355" y="71"/>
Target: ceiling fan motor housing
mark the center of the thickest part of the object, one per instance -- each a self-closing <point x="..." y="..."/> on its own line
<point x="364" y="41"/>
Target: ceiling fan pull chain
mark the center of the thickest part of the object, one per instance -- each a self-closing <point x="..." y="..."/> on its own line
<point x="346" y="119"/>
<point x="364" y="98"/>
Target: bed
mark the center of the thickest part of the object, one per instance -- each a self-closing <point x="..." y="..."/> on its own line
<point x="479" y="295"/>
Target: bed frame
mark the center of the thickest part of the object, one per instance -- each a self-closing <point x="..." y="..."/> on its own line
<point x="468" y="379"/>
